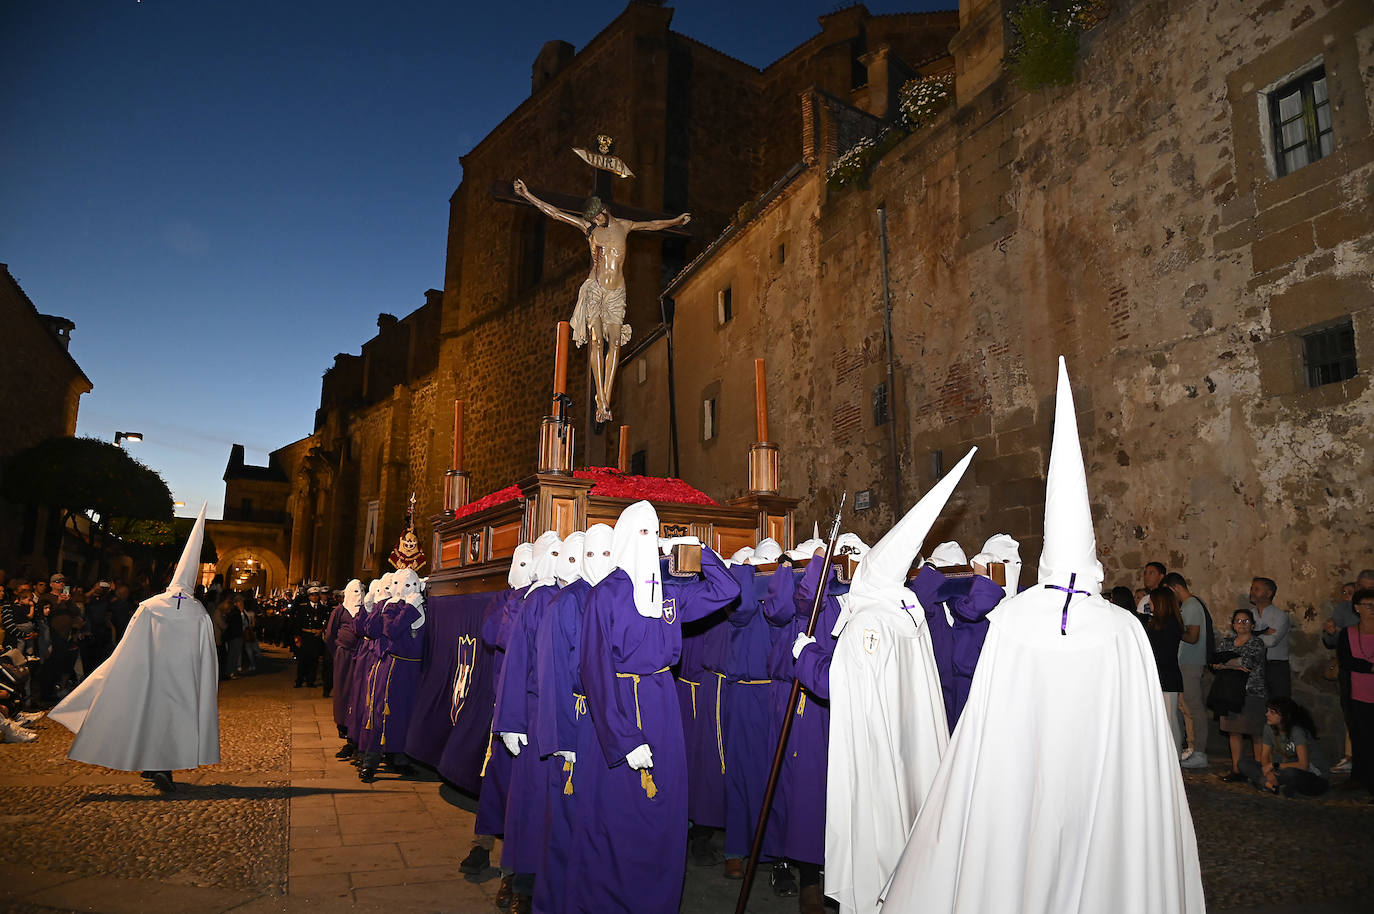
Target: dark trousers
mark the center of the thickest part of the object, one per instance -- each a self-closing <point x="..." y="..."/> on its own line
<point x="1279" y="675"/>
<point x="308" y="658"/>
<point x="1290" y="780"/>
<point x="1361" y="722"/>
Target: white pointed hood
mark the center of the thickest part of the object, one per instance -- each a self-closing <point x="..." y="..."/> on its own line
<point x="410" y="588"/>
<point x="353" y="597"/>
<point x="880" y="579"/>
<point x="374" y="594"/>
<point x="1070" y="546"/>
<point x="597" y="560"/>
<point x="188" y="568"/>
<point x="521" y="567"/>
<point x="742" y="556"/>
<point x="569" y="566"/>
<point x="634" y="547"/>
<point x="546" y="548"/>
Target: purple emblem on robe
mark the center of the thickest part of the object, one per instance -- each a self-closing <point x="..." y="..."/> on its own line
<point x="629" y="844"/>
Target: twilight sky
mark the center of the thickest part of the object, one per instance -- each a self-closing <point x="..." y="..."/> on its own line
<point x="222" y="195"/>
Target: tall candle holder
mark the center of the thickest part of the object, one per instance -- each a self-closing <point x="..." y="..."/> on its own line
<point x="763" y="454"/>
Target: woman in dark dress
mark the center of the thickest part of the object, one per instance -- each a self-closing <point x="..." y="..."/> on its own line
<point x="1164" y="628"/>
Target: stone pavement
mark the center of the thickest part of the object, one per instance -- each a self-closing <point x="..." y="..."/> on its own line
<point x="282" y="826"/>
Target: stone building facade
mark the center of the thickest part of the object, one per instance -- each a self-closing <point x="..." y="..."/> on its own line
<point x="40" y="392"/>
<point x="703" y="133"/>
<point x="1213" y="301"/>
<point x="1217" y="315"/>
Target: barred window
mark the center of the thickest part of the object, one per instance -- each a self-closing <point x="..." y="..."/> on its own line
<point x="1330" y="354"/>
<point x="1300" y="115"/>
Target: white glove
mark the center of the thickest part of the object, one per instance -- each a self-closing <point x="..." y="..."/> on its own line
<point x="514" y="741"/>
<point x="803" y="639"/>
<point x="567" y="754"/>
<point x="666" y="545"/>
<point x="416" y="599"/>
<point x="640" y="758"/>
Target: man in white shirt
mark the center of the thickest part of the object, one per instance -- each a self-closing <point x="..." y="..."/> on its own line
<point x="1151" y="576"/>
<point x="1272" y="625"/>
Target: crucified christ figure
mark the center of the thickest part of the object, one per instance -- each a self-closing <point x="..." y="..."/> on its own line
<point x="600" y="312"/>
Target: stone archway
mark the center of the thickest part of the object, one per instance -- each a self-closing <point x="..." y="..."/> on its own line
<point x="264" y="569"/>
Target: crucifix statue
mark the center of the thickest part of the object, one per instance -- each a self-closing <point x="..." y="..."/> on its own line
<point x="600" y="312"/>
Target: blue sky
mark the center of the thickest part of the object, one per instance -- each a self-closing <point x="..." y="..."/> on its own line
<point x="222" y="195"/>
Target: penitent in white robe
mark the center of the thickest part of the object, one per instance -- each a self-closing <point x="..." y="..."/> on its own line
<point x="887" y="734"/>
<point x="1060" y="791"/>
<point x="154" y="704"/>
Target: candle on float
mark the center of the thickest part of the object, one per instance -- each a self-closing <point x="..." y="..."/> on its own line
<point x="560" y="359"/>
<point x="624" y="449"/>
<point x="760" y="400"/>
<point x="457" y="434"/>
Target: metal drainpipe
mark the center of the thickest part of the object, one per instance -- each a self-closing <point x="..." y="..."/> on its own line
<point x="891" y="371"/>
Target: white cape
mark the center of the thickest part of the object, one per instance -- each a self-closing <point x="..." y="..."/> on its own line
<point x="887" y="733"/>
<point x="154" y="704"/>
<point x="1061" y="790"/>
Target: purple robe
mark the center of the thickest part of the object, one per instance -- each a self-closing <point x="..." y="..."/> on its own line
<point x="458" y="705"/>
<point x="957" y="647"/>
<point x="557" y="640"/>
<point x="750" y="722"/>
<point x="368" y="658"/>
<point x="629" y="849"/>
<point x="341" y="639"/>
<point x="496" y="767"/>
<point x="395" y="679"/>
<point x="808" y="748"/>
<point x="517" y="703"/>
<point x="701" y="699"/>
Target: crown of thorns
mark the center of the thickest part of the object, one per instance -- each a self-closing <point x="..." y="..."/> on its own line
<point x="594" y="206"/>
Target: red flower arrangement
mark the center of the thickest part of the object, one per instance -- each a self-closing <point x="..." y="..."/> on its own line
<point x="500" y="496"/>
<point x="612" y="483"/>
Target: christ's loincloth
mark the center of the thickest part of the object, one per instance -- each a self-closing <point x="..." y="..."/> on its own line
<point x="597" y="303"/>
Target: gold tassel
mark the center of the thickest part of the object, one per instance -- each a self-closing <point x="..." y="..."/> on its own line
<point x="486" y="758"/>
<point x="646" y="780"/>
<point x="567" y="788"/>
<point x="801" y="705"/>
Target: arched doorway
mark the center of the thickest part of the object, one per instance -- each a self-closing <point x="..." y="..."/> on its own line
<point x="252" y="568"/>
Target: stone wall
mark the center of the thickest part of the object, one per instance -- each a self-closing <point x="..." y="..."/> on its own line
<point x="1130" y="222"/>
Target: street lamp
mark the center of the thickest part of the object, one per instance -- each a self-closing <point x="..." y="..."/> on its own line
<point x="127" y="436"/>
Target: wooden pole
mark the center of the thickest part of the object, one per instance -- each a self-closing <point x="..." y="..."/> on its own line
<point x="624" y="462"/>
<point x="760" y="401"/>
<point x="457" y="434"/>
<point x="757" y="848"/>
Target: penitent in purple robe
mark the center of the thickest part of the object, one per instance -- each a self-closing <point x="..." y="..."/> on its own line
<point x="750" y="721"/>
<point x="369" y="657"/>
<point x="701" y="699"/>
<point x="341" y="640"/>
<point x="808" y="748"/>
<point x="517" y="702"/>
<point x="957" y="646"/>
<point x="629" y="844"/>
<point x="396" y="678"/>
<point x="560" y="698"/>
<point x="491" y="798"/>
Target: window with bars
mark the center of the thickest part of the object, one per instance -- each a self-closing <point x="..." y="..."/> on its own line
<point x="1329" y="354"/>
<point x="1300" y="115"/>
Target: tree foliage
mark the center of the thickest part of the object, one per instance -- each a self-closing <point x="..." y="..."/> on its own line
<point x="86" y="474"/>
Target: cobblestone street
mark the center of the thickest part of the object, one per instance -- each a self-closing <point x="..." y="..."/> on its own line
<point x="280" y="825"/>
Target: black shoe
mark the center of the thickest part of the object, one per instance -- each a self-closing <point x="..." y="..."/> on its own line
<point x="404" y="770"/>
<point x="505" y="893"/>
<point x="1234" y="777"/>
<point x="784" y="885"/>
<point x="346" y="752"/>
<point x="703" y="854"/>
<point x="162" y="780"/>
<point x="367" y="774"/>
<point x="478" y="859"/>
